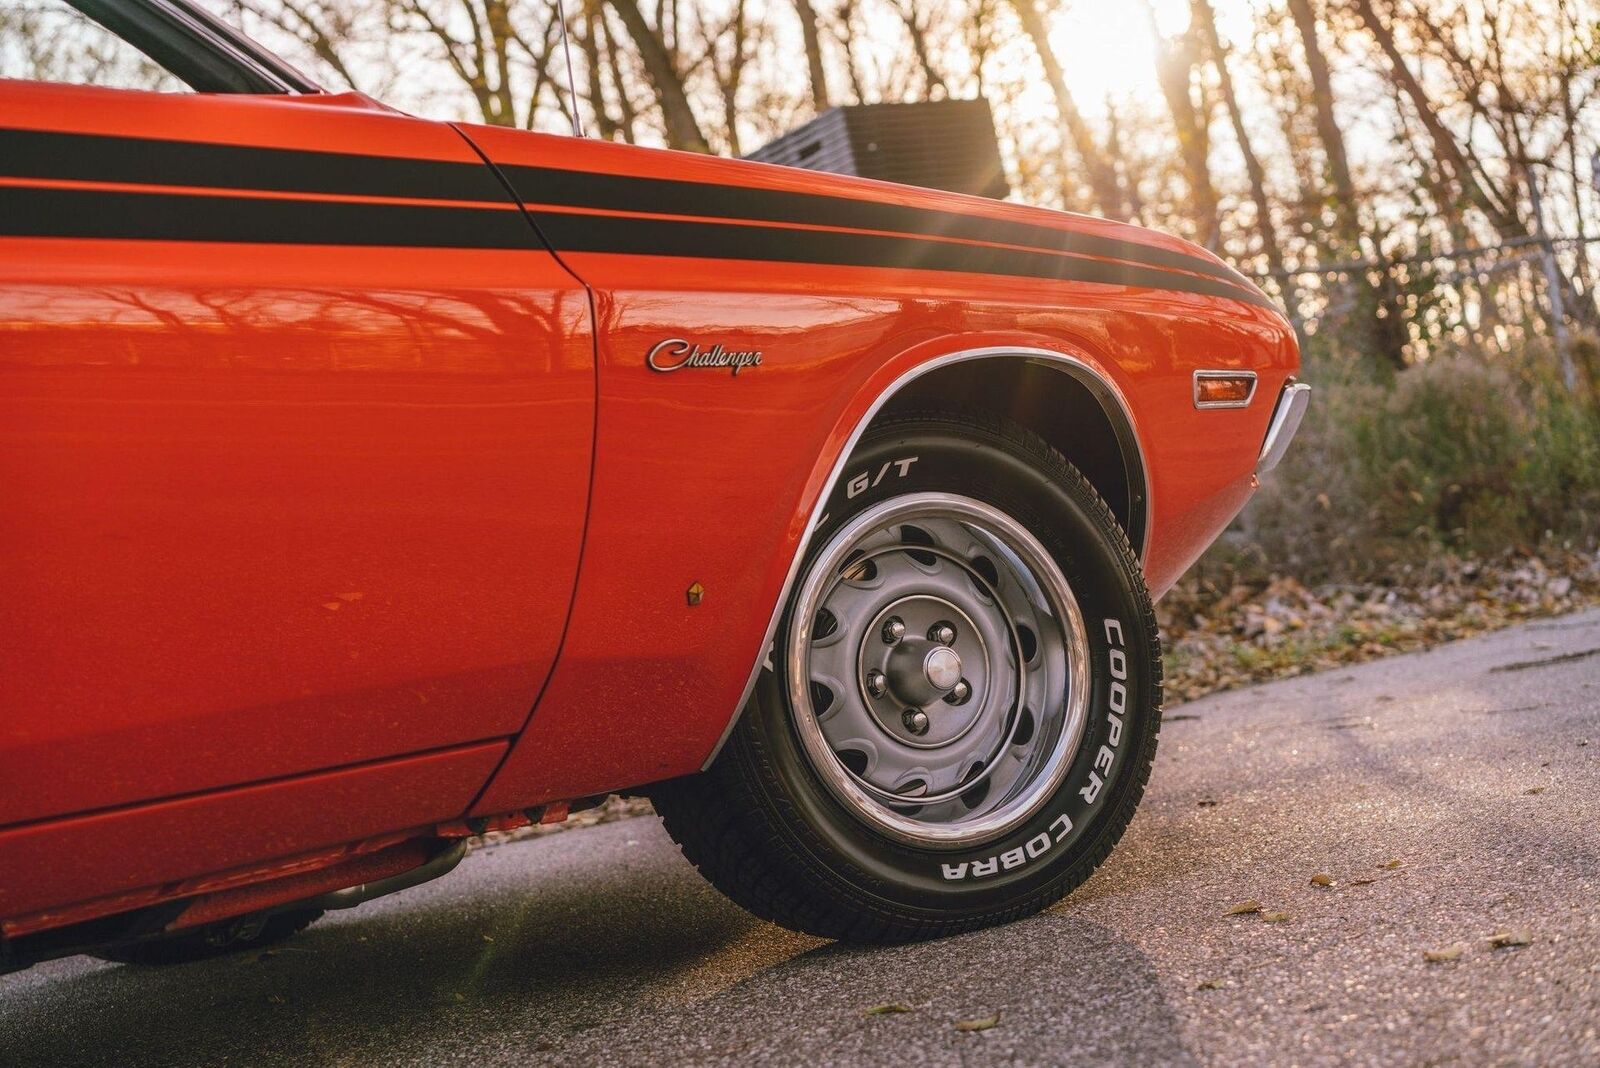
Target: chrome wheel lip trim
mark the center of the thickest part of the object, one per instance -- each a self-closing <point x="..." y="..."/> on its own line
<point x="1046" y="573"/>
<point x="1083" y="370"/>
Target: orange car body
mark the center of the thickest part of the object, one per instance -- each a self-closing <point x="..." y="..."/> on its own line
<point x="357" y="469"/>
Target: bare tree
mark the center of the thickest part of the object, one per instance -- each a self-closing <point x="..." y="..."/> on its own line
<point x="1176" y="60"/>
<point x="1205" y="20"/>
<point x="587" y="34"/>
<point x="627" y="114"/>
<point x="1498" y="205"/>
<point x="325" y="28"/>
<point x="1421" y="231"/>
<point x="843" y="29"/>
<point x="1385" y="331"/>
<point x="1344" y="201"/>
<point x="485" y="50"/>
<point x="917" y="26"/>
<point x="814" y="66"/>
<point x="1102" y="176"/>
<point x="678" y="120"/>
<point x="728" y="48"/>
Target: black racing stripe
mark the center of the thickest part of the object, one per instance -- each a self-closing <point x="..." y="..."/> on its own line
<point x="176" y="217"/>
<point x="662" y="196"/>
<point x="79" y="213"/>
<point x="662" y="237"/>
<point x="141" y="161"/>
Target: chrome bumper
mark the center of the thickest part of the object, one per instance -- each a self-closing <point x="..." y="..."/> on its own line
<point x="1292" y="404"/>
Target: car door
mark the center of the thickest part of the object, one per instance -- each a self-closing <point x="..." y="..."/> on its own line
<point x="699" y="464"/>
<point x="295" y="434"/>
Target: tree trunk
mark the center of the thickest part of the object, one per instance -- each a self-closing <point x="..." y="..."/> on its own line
<point x="1385" y="329"/>
<point x="931" y="78"/>
<point x="619" y="84"/>
<point x="1102" y="176"/>
<point x="589" y="42"/>
<point x="1206" y="20"/>
<point x="1579" y="215"/>
<point x="1175" y="62"/>
<point x="1328" y="132"/>
<point x="1133" y="204"/>
<point x="845" y="31"/>
<point x="731" y="77"/>
<point x="677" y="117"/>
<point x="498" y="23"/>
<point x="813" y="43"/>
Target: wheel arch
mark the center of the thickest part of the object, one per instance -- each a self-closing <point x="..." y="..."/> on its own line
<point x="1021" y="383"/>
<point x="1080" y="414"/>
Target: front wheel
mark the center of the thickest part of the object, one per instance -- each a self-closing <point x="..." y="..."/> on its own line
<point x="962" y="705"/>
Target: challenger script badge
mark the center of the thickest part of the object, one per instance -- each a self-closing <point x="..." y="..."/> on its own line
<point x="675" y="353"/>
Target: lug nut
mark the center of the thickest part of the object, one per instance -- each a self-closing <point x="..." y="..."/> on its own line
<point x="893" y="630"/>
<point x="877" y="685"/>
<point x="959" y="693"/>
<point x="943" y="633"/>
<point x="916" y="721"/>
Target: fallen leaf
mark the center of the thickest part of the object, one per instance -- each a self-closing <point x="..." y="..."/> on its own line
<point x="333" y="606"/>
<point x="1362" y="882"/>
<point x="1322" y="879"/>
<point x="1244" y="908"/>
<point x="1391" y="864"/>
<point x="488" y="938"/>
<point x="890" y="1009"/>
<point x="981" y="1024"/>
<point x="1515" y="937"/>
<point x="276" y="999"/>
<point x="1534" y="790"/>
<point x="1209" y="984"/>
<point x="351" y="596"/>
<point x="1441" y="956"/>
<point x="1207" y="802"/>
<point x="1275" y="917"/>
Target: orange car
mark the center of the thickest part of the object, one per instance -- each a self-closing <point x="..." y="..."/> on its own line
<point x="372" y="482"/>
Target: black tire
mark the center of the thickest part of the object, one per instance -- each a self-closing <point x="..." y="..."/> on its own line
<point x="252" y="931"/>
<point x="763" y="828"/>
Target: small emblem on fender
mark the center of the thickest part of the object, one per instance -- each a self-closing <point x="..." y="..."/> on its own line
<point x="675" y="354"/>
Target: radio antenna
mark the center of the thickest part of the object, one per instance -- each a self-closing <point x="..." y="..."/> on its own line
<point x="572" y="77"/>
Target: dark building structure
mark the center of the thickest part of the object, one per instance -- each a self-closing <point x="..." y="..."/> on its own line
<point x="940" y="144"/>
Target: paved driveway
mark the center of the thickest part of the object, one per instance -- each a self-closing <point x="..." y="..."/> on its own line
<point x="1450" y="796"/>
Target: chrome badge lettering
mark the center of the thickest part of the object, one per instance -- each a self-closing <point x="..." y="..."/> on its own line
<point x="675" y="353"/>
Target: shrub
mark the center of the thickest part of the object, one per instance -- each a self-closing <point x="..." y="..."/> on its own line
<point x="1440" y="457"/>
<point x="1459" y="453"/>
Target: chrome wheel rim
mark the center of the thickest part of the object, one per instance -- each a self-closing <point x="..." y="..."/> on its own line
<point x="938" y="670"/>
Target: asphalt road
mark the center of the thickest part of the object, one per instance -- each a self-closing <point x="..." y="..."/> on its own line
<point x="1450" y="795"/>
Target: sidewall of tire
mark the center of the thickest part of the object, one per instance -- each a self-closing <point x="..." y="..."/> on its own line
<point x="1063" y="840"/>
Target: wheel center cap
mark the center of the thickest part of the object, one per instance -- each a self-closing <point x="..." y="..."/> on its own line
<point x="921" y="672"/>
<point x="942" y="668"/>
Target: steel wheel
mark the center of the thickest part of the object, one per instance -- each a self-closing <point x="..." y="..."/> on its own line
<point x="960" y="712"/>
<point x="938" y="670"/>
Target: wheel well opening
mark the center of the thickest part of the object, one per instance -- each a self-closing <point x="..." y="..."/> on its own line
<point x="1071" y="410"/>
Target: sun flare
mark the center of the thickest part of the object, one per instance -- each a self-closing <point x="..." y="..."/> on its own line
<point x="1105" y="45"/>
